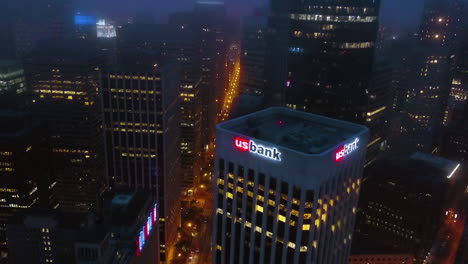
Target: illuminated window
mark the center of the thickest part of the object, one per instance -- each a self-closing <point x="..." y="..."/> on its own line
<point x="282" y="218"/>
<point x="259" y="208"/>
<point x="305" y="227"/>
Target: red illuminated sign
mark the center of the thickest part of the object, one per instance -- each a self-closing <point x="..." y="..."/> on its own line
<point x="249" y="145"/>
<point x="347" y="149"/>
<point x="242" y="144"/>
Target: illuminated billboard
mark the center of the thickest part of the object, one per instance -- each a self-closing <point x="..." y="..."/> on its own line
<point x="146" y="230"/>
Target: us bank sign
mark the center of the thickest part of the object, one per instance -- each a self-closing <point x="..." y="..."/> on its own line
<point x="257" y="149"/>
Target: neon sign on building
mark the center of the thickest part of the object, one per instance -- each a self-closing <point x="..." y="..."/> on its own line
<point x="146" y="230"/>
<point x="347" y="149"/>
<point x="249" y="145"/>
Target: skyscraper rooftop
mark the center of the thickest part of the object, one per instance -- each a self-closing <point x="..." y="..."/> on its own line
<point x="299" y="131"/>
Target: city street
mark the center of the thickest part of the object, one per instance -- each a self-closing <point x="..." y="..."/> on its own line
<point x="447" y="242"/>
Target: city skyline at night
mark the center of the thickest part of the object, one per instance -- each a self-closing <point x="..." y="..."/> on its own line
<point x="235" y="131"/>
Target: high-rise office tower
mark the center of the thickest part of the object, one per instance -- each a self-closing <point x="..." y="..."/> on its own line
<point x="426" y="100"/>
<point x="286" y="188"/>
<point x="252" y="64"/>
<point x="23" y="157"/>
<point x="210" y="19"/>
<point x="142" y="137"/>
<point x="207" y="21"/>
<point x="320" y="57"/>
<point x="174" y="43"/>
<point x="63" y="81"/>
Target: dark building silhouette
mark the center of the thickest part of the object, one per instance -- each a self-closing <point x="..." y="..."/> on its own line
<point x="402" y="202"/>
<point x="63" y="83"/>
<point x="24" y="159"/>
<point x="428" y="93"/>
<point x="31" y="21"/>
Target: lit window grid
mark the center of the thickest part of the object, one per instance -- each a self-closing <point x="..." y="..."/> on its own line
<point x="327" y="221"/>
<point x="140" y="98"/>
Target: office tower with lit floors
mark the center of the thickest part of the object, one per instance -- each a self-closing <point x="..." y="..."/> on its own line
<point x="286" y="188"/>
<point x="142" y="137"/>
<point x="207" y="21"/>
<point x="320" y="57"/>
<point x="177" y="43"/>
<point x="428" y="94"/>
<point x="63" y="83"/>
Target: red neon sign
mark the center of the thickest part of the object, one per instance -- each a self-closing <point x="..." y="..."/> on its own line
<point x="347" y="149"/>
<point x="242" y="144"/>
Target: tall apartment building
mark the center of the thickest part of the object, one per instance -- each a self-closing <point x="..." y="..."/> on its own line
<point x="142" y="138"/>
<point x="63" y="83"/>
<point x="286" y="188"/>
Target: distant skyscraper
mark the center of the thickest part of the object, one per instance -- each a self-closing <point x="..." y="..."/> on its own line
<point x="208" y="20"/>
<point x="253" y="44"/>
<point x="402" y="203"/>
<point x="142" y="137"/>
<point x="37" y="20"/>
<point x="428" y="94"/>
<point x="320" y="57"/>
<point x="287" y="186"/>
<point x="63" y="81"/>
<point x="23" y="156"/>
<point x="441" y="22"/>
<point x="175" y="43"/>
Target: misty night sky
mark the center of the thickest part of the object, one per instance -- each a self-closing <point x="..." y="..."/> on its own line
<point x="398" y="14"/>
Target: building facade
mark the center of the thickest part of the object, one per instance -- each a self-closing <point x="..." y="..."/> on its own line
<point x="429" y="92"/>
<point x="286" y="188"/>
<point x="23" y="153"/>
<point x="402" y="204"/>
<point x="320" y="59"/>
<point x="63" y="83"/>
<point x="142" y="137"/>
